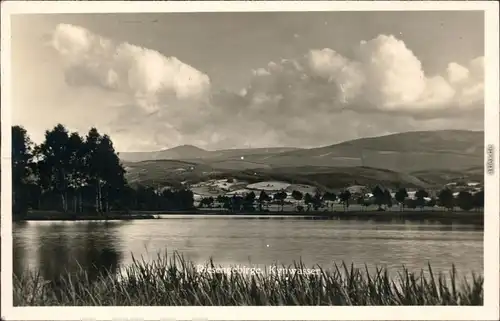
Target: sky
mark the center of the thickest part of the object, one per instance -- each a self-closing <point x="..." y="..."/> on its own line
<point x="239" y="80"/>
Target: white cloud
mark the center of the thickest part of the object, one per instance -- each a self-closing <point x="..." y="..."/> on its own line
<point x="324" y="97"/>
<point x="457" y="73"/>
<point x="317" y="99"/>
<point x="145" y="74"/>
<point x="260" y="72"/>
<point x="383" y="75"/>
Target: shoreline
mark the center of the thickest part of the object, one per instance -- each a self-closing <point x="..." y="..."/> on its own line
<point x="476" y="218"/>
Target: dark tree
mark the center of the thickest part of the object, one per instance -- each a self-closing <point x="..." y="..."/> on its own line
<point x="249" y="201"/>
<point x="22" y="171"/>
<point x="420" y="196"/>
<point x="207" y="201"/>
<point x="92" y="159"/>
<point x="411" y="203"/>
<point x="465" y="201"/>
<point x="297" y="195"/>
<point x="446" y="199"/>
<point x="227" y="204"/>
<point x="400" y="197"/>
<point x="111" y="174"/>
<point x="479" y="200"/>
<point x="379" y="197"/>
<point x="210" y="201"/>
<point x="330" y="197"/>
<point x="77" y="178"/>
<point x="221" y="199"/>
<point x="264" y="198"/>
<point x="345" y="197"/>
<point x="184" y="200"/>
<point x="106" y="176"/>
<point x="236" y="203"/>
<point x="317" y="201"/>
<point x="308" y="200"/>
<point x="54" y="160"/>
<point x="280" y="198"/>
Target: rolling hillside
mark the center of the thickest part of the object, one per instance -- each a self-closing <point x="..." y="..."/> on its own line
<point x="186" y="152"/>
<point x="441" y="141"/>
<point x="474" y="174"/>
<point x="405" y="152"/>
<point x="326" y="178"/>
<point x="179" y="152"/>
<point x="413" y="159"/>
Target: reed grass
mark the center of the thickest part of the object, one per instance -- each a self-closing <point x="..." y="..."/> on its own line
<point x="175" y="281"/>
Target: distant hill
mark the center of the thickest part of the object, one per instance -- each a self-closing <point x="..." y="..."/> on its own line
<point x="186" y="152"/>
<point x="404" y="152"/>
<point x="413" y="158"/>
<point x="179" y="152"/>
<point x="257" y="153"/>
<point x="440" y="141"/>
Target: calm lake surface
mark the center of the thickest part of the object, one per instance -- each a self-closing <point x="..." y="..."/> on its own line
<point x="54" y="247"/>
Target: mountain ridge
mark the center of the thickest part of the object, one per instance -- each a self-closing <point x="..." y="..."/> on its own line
<point x="481" y="132"/>
<point x="401" y="152"/>
<point x="414" y="159"/>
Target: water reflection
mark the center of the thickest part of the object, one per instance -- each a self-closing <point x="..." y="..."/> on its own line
<point x="18" y="255"/>
<point x="55" y="249"/>
<point x="97" y="247"/>
<point x="424" y="224"/>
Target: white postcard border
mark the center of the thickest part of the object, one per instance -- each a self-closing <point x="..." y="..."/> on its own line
<point x="490" y="309"/>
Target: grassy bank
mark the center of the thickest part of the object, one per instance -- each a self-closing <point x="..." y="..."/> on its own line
<point x="174" y="281"/>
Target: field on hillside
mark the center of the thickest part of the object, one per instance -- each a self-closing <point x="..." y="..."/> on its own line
<point x="269" y="186"/>
<point x="475" y="174"/>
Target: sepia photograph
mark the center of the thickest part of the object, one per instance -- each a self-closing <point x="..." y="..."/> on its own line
<point x="247" y="158"/>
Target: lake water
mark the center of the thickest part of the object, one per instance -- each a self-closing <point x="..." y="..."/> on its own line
<point x="53" y="247"/>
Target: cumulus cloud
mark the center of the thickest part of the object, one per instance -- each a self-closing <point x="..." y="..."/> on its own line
<point x="323" y="97"/>
<point x="319" y="98"/>
<point x="384" y="75"/>
<point x="149" y="77"/>
<point x="167" y="99"/>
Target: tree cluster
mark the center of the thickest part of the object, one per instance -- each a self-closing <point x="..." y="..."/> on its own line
<point x="234" y="203"/>
<point x="71" y="173"/>
<point x="381" y="197"/>
<point x="464" y="200"/>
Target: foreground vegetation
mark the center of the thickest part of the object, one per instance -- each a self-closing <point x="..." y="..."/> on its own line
<point x="174" y="281"/>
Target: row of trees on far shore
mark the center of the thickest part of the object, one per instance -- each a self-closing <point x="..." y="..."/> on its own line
<point x="382" y="198"/>
<point x="70" y="173"/>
